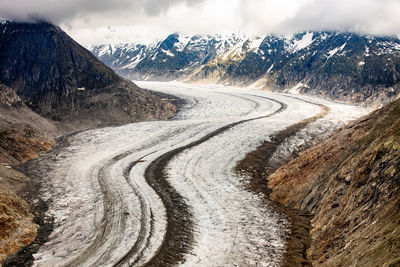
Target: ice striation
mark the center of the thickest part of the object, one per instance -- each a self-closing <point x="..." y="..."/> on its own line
<point x="107" y="212"/>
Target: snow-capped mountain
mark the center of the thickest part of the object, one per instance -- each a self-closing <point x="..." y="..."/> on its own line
<point x="344" y="66"/>
<point x="175" y="57"/>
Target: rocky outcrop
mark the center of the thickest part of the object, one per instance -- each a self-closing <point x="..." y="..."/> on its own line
<point x="17" y="228"/>
<point x="350" y="183"/>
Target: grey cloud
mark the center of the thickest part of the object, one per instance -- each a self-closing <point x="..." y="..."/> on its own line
<point x="155" y="7"/>
<point x="57" y="11"/>
<point x="88" y="19"/>
<point x="378" y="17"/>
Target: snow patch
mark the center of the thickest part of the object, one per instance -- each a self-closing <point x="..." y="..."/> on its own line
<point x="366" y="51"/>
<point x="168" y="53"/>
<point x="255" y="44"/>
<point x="133" y="63"/>
<point x="387" y="47"/>
<point x="333" y="52"/>
<point x="183" y="42"/>
<point x="270" y="68"/>
<point x="234" y="51"/>
<point x="304" y="42"/>
<point x="105" y="50"/>
<point x="324" y="36"/>
<point x="154" y="56"/>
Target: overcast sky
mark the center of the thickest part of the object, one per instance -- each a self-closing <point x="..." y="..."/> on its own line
<point x="114" y="21"/>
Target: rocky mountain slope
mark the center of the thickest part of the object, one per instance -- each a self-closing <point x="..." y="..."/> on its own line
<point x="343" y="66"/>
<point x="23" y="136"/>
<point x="61" y="80"/>
<point x="16" y="219"/>
<point x="351" y="184"/>
<point x="23" y="133"/>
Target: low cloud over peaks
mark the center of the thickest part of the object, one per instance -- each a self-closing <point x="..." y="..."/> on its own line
<point x="90" y="21"/>
<point x="57" y="11"/>
<point x="364" y="16"/>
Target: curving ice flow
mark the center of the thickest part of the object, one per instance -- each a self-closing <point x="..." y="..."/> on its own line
<point x="109" y="211"/>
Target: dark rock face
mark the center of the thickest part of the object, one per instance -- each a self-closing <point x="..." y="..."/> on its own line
<point x="59" y="79"/>
<point x="343" y="66"/>
<point x="40" y="59"/>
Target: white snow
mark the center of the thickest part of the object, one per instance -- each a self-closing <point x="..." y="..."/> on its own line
<point x="234" y="51"/>
<point x="304" y="42"/>
<point x="234" y="227"/>
<point x="387" y="47"/>
<point x="134" y="61"/>
<point x="366" y="51"/>
<point x="324" y="36"/>
<point x="293" y="45"/>
<point x="270" y="68"/>
<point x="333" y="52"/>
<point x="154" y="56"/>
<point x="105" y="50"/>
<point x="255" y="44"/>
<point x="225" y="43"/>
<point x="168" y="53"/>
<point x="183" y="41"/>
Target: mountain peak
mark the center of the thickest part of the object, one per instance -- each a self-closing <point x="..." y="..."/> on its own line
<point x="60" y="79"/>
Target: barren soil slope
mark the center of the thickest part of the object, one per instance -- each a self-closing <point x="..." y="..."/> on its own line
<point x="351" y="183"/>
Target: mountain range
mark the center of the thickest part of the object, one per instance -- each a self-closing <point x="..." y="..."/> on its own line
<point x="338" y="65"/>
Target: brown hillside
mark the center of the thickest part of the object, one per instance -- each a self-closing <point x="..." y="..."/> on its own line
<point x="351" y="183"/>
